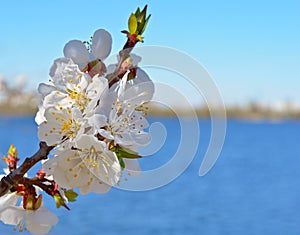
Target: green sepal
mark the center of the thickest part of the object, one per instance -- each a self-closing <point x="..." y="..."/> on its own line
<point x="71" y="195"/>
<point x="132" y="24"/>
<point x="59" y="201"/>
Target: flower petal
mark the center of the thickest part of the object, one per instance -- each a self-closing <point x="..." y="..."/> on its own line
<point x="12" y="215"/>
<point x="52" y="167"/>
<point x="97" y="186"/>
<point x="76" y="50"/>
<point x="142" y="139"/>
<point x="45" y="89"/>
<point x="42" y="216"/>
<point x="106" y="134"/>
<point x="97" y="121"/>
<point x="9" y="199"/>
<point x="101" y="44"/>
<point x="40" y="222"/>
<point x="132" y="167"/>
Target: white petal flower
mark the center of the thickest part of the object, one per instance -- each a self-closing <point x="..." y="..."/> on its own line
<point x="84" y="98"/>
<point x="67" y="75"/>
<point x="126" y="128"/>
<point x="37" y="222"/>
<point x="125" y="122"/>
<point x="95" y="92"/>
<point x="61" y="125"/>
<point x="90" y="166"/>
<point x="66" y="78"/>
<point x="137" y="91"/>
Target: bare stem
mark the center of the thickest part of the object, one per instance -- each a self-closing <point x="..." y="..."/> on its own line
<point x="35" y="181"/>
<point x="13" y="178"/>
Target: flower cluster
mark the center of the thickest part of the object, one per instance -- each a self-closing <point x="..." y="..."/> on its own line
<point x="96" y="128"/>
<point x="93" y="116"/>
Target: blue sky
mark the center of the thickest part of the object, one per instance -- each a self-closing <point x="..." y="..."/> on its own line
<point x="251" y="48"/>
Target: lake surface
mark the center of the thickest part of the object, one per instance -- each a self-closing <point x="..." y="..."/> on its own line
<point x="254" y="188"/>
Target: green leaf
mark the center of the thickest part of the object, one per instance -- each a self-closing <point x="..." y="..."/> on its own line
<point x="125" y="153"/>
<point x="71" y="195"/>
<point x="146" y="22"/>
<point x="140" y="17"/>
<point x="122" y="163"/>
<point x="143" y="13"/>
<point x="138" y="12"/>
<point x="132" y="24"/>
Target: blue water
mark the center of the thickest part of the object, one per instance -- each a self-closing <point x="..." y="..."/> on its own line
<point x="254" y="187"/>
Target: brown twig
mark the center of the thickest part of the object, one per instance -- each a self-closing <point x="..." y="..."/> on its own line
<point x="35" y="181"/>
<point x="13" y="178"/>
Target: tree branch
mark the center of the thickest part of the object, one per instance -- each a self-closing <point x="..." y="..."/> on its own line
<point x="13" y="178"/>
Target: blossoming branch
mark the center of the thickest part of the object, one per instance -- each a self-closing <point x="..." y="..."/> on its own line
<point x="92" y="115"/>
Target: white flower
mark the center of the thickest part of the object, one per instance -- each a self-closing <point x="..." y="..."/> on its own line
<point x="84" y="98"/>
<point x="90" y="166"/>
<point x="137" y="91"/>
<point x="125" y="122"/>
<point x="38" y="222"/>
<point x="61" y="125"/>
<point x="65" y="75"/>
<point x="99" y="49"/>
<point x="126" y="128"/>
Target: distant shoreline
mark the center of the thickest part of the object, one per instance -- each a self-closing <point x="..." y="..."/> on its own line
<point x="241" y="115"/>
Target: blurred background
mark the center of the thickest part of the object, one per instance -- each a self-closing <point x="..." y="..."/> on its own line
<point x="251" y="49"/>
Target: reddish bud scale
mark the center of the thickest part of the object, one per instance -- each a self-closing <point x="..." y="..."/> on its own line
<point x="95" y="67"/>
<point x="21" y="189"/>
<point x="41" y="174"/>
